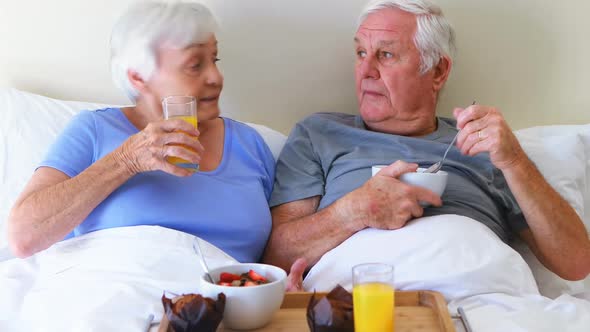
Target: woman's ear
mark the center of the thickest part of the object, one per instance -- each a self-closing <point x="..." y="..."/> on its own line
<point x="136" y="81"/>
<point x="442" y="72"/>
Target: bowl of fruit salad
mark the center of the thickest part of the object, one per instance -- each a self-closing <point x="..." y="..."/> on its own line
<point x="254" y="292"/>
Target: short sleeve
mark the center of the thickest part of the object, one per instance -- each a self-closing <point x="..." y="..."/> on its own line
<point x="73" y="150"/>
<point x="269" y="168"/>
<point x="299" y="174"/>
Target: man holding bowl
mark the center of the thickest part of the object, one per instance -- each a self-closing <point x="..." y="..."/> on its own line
<point x="324" y="192"/>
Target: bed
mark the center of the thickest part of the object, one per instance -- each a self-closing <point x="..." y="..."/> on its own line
<point x="120" y="274"/>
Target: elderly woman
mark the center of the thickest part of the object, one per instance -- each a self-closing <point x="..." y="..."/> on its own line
<point x="109" y="167"/>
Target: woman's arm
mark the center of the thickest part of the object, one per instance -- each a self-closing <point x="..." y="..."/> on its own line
<point x="53" y="204"/>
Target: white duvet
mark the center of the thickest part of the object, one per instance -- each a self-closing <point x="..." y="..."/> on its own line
<point x="112" y="280"/>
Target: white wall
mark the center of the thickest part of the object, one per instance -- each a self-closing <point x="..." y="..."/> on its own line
<point x="286" y="59"/>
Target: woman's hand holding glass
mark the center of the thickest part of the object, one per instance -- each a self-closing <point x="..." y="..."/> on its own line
<point x="148" y="150"/>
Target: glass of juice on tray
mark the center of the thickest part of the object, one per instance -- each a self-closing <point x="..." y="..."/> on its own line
<point x="184" y="108"/>
<point x="373" y="297"/>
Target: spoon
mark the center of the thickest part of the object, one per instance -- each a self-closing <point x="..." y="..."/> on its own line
<point x="437" y="166"/>
<point x="197" y="249"/>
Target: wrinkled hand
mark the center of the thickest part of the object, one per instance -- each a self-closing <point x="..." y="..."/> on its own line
<point x="484" y="129"/>
<point x="295" y="277"/>
<point x="384" y="202"/>
<point x="148" y="149"/>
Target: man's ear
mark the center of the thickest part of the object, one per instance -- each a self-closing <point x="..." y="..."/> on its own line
<point x="442" y="72"/>
<point x="137" y="81"/>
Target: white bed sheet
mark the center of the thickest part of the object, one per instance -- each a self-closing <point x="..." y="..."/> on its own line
<point x="110" y="280"/>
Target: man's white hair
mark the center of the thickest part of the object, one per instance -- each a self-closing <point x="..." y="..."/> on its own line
<point x="434" y="34"/>
<point x="145" y="27"/>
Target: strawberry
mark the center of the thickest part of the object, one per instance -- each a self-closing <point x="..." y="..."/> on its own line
<point x="250" y="283"/>
<point x="255" y="276"/>
<point x="228" y="277"/>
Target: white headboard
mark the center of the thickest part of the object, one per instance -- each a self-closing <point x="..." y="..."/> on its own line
<point x="285" y="59"/>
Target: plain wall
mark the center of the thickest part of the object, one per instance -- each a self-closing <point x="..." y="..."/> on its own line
<point x="283" y="60"/>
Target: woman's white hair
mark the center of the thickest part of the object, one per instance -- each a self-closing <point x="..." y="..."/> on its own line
<point x="145" y="27"/>
<point x="434" y="37"/>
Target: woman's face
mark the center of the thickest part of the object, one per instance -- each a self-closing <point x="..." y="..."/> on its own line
<point x="190" y="71"/>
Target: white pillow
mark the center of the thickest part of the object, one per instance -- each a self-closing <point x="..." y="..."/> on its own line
<point x="550" y="284"/>
<point x="563" y="133"/>
<point x="561" y="159"/>
<point x="29" y="123"/>
<point x="274" y="139"/>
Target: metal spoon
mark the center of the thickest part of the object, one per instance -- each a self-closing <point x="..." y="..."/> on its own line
<point x="148" y="324"/>
<point x="437" y="166"/>
<point x="197" y="249"/>
<point x="464" y="320"/>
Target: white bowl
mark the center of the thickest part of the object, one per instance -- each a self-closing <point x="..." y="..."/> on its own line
<point x="435" y="182"/>
<point x="248" y="307"/>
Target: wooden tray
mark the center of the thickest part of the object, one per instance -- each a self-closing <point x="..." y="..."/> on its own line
<point x="416" y="311"/>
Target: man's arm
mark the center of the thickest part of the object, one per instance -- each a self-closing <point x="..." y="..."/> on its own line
<point x="556" y="234"/>
<point x="300" y="231"/>
<point x="383" y="202"/>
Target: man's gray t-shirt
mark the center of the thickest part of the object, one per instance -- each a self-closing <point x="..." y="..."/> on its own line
<point x="331" y="154"/>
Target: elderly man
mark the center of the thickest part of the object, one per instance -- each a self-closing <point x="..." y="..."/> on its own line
<point x="323" y="192"/>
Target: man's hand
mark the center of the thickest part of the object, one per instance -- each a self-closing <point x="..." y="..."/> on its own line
<point x="556" y="233"/>
<point x="295" y="277"/>
<point x="300" y="230"/>
<point x="384" y="202"/>
<point x="483" y="129"/>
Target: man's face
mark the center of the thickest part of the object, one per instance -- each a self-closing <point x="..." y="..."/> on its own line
<point x="191" y="71"/>
<point x="393" y="95"/>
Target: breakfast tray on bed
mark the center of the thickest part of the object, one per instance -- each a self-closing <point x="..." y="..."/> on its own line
<point x="416" y="311"/>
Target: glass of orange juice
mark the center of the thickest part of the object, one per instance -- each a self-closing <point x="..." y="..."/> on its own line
<point x="184" y="108"/>
<point x="373" y="297"/>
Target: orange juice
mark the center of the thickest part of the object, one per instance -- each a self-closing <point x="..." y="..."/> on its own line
<point x="373" y="307"/>
<point x="179" y="161"/>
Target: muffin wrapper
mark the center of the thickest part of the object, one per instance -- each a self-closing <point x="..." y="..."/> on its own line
<point x="200" y="313"/>
<point x="332" y="312"/>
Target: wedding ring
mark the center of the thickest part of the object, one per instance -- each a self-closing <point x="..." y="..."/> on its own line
<point x="479" y="135"/>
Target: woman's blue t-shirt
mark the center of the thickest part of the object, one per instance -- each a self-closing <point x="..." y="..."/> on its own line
<point x="227" y="206"/>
